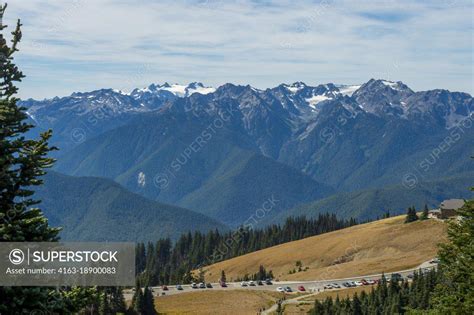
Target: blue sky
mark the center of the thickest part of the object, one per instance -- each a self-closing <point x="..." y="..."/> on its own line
<point x="80" y="45"/>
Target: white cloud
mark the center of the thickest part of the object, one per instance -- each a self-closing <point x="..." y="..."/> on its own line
<point x="83" y="45"/>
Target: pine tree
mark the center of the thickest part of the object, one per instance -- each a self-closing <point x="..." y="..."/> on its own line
<point x="148" y="302"/>
<point x="138" y="303"/>
<point x="22" y="163"/>
<point x="318" y="308"/>
<point x="356" y="307"/>
<point x="411" y="215"/>
<point x="396" y="307"/>
<point x="104" y="307"/>
<point x="424" y="214"/>
<point x="117" y="301"/>
<point x="454" y="294"/>
<point x="223" y="277"/>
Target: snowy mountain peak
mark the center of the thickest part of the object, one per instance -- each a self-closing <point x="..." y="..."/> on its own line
<point x="295" y="87"/>
<point x="347" y="89"/>
<point x="374" y="84"/>
<point x="180" y="90"/>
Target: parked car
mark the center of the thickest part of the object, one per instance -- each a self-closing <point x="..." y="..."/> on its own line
<point x="164" y="288"/>
<point x="202" y="285"/>
<point x="336" y="286"/>
<point x="396" y="277"/>
<point x="410" y="276"/>
<point x="252" y="283"/>
<point x="243" y="284"/>
<point x="352" y="284"/>
<point x="370" y="282"/>
<point x="328" y="287"/>
<point x="208" y="285"/>
<point x="194" y="285"/>
<point x="301" y="288"/>
<point x="259" y="282"/>
<point x="223" y="284"/>
<point x="268" y="282"/>
<point x="179" y="287"/>
<point x="288" y="289"/>
<point x="280" y="289"/>
<point x="358" y="283"/>
<point x="364" y="282"/>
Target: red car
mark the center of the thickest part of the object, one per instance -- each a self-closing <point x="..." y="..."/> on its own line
<point x="364" y="282"/>
<point x="165" y="288"/>
<point x="301" y="288"/>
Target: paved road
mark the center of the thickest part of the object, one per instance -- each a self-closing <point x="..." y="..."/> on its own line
<point x="296" y="300"/>
<point x="310" y="286"/>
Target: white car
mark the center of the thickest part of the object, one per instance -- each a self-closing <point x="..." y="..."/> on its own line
<point x="243" y="284"/>
<point x="252" y="283"/>
<point x="280" y="289"/>
<point x="358" y="283"/>
<point x="371" y="282"/>
<point x="328" y="287"/>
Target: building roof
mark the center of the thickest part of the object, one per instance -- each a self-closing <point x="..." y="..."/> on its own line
<point x="452" y="204"/>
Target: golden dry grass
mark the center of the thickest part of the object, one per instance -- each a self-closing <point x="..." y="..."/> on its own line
<point x="302" y="308"/>
<point x="380" y="246"/>
<point x="216" y="302"/>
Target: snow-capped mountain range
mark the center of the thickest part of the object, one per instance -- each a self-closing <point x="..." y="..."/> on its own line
<point x="380" y="97"/>
<point x="295" y="107"/>
<point x="344" y="137"/>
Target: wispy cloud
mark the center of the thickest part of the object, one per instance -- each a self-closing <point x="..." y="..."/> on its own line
<point x="387" y="16"/>
<point x="83" y="45"/>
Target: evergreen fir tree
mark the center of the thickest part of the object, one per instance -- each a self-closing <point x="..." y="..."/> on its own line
<point x="411" y="215"/>
<point x="424" y="214"/>
<point x="356" y="306"/>
<point x="117" y="301"/>
<point x="223" y="277"/>
<point x="104" y="307"/>
<point x="138" y="302"/>
<point x="148" y="302"/>
<point x="396" y="307"/>
<point x="454" y="293"/>
<point x="318" y="308"/>
<point x="22" y="163"/>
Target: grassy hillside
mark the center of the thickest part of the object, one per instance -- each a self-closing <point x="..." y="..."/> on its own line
<point x="368" y="204"/>
<point x="96" y="209"/>
<point x="216" y="302"/>
<point x="379" y="246"/>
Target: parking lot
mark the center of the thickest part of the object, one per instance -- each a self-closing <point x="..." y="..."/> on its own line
<point x="309" y="286"/>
